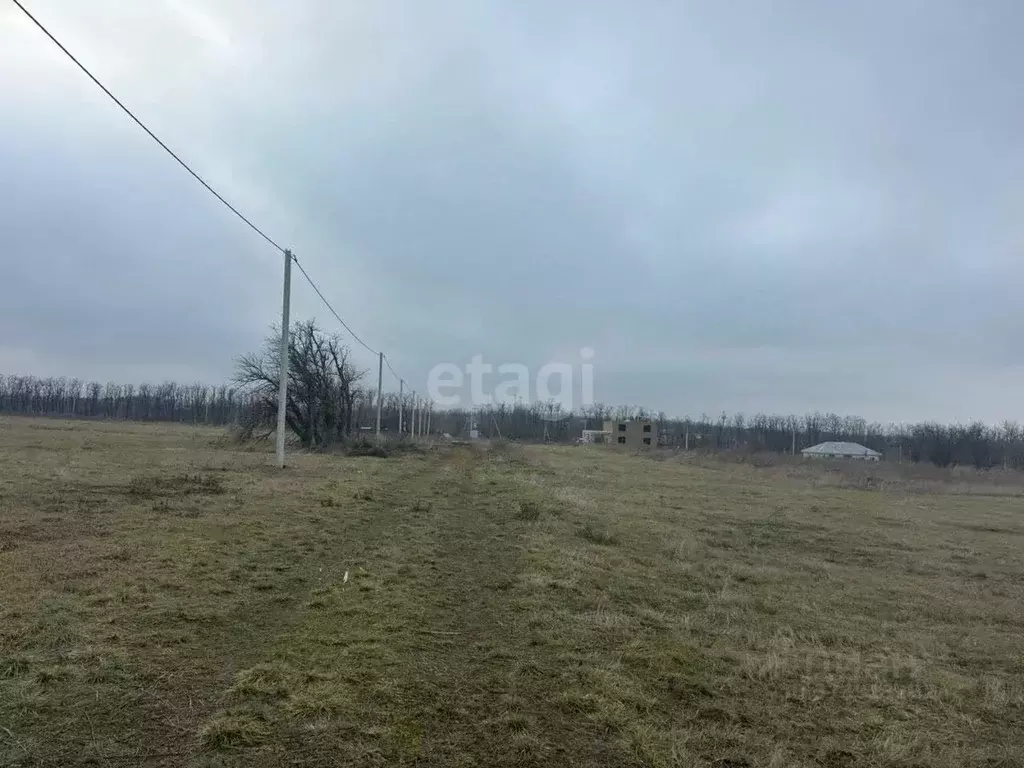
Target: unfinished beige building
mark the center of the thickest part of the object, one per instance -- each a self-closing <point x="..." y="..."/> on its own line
<point x="632" y="433"/>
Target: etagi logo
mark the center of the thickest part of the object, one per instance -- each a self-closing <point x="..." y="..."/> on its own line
<point x="554" y="382"/>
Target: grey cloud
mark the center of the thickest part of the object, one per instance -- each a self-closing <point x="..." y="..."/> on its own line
<point x="747" y="206"/>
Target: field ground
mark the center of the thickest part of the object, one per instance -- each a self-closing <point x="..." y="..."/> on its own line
<point x="169" y="599"/>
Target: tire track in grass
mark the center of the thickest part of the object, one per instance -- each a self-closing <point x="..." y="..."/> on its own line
<point x="483" y="679"/>
<point x="326" y="683"/>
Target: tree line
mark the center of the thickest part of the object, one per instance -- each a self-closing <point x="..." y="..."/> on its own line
<point x="75" y="398"/>
<point x="330" y="400"/>
<point x="976" y="444"/>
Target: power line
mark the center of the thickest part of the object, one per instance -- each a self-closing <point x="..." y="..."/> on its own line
<point x="344" y="325"/>
<point x="196" y="176"/>
<point x="142" y="125"/>
<point x="393" y="373"/>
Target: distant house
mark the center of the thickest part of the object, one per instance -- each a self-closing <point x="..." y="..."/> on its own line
<point x="632" y="433"/>
<point x="841" y="451"/>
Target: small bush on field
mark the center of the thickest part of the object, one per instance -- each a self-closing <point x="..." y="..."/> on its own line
<point x="597" y="535"/>
<point x="366" y="448"/>
<point x="390" y="446"/>
<point x="399" y="447"/>
<point x="499" y="448"/>
<point x="149" y="487"/>
<point x="529" y="510"/>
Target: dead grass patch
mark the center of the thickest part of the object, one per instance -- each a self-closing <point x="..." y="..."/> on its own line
<point x="154" y="486"/>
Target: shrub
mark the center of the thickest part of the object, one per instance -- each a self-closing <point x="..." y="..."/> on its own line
<point x="366" y="448"/>
<point x="528" y="510"/>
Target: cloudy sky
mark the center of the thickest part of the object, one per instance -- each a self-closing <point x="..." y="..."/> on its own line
<point x="747" y="205"/>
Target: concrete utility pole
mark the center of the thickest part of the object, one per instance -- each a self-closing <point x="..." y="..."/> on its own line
<point x="430" y="410"/>
<point x="415" y="409"/>
<point x="380" y="384"/>
<point x="401" y="398"/>
<point x="282" y="386"/>
<point x="792" y="451"/>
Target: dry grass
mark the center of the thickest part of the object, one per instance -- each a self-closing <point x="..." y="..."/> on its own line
<point x="172" y="600"/>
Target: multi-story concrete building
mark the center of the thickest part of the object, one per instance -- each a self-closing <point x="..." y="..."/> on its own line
<point x="632" y="433"/>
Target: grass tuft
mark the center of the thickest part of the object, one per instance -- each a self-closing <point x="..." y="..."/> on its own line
<point x="597" y="535"/>
<point x="15" y="665"/>
<point x="264" y="681"/>
<point x="234" y="731"/>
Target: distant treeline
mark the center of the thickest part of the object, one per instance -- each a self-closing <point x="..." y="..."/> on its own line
<point x="170" y="401"/>
<point x="74" y="398"/>
<point x="975" y="444"/>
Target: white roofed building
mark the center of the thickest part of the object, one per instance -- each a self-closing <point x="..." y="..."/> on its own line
<point x="841" y="451"/>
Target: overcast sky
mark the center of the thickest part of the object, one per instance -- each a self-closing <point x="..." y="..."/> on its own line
<point x="747" y="205"/>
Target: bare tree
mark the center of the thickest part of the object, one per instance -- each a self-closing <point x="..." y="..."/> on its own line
<point x="322" y="385"/>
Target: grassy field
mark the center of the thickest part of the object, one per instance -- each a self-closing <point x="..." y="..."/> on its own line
<point x="169" y="599"/>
